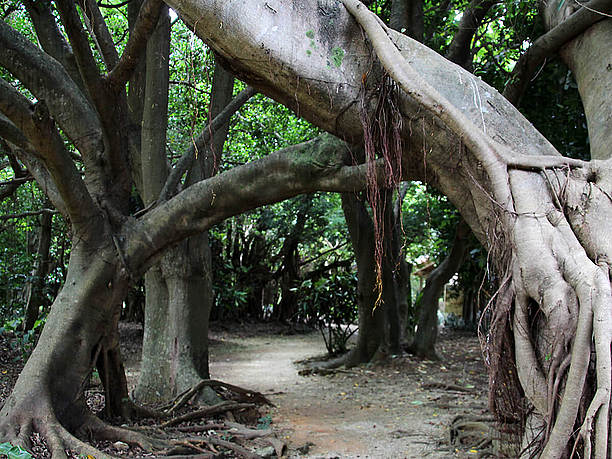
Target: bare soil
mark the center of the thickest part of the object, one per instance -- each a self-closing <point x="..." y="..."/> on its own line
<point x="399" y="408"/>
<point x="402" y="407"/>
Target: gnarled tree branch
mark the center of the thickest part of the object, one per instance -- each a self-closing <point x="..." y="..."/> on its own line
<point x="47" y="79"/>
<point x="322" y="164"/>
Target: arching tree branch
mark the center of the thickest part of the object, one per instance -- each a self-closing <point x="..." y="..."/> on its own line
<point x="322" y="164"/>
<point x="34" y="166"/>
<point x="549" y="43"/>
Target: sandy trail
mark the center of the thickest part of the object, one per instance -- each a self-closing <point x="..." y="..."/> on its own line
<point x="374" y="412"/>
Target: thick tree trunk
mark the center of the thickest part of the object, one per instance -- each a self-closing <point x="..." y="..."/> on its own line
<point x="179" y="296"/>
<point x="424" y="342"/>
<point x="175" y="346"/>
<point x="371" y="321"/>
<point x="390" y="291"/>
<point x="49" y="394"/>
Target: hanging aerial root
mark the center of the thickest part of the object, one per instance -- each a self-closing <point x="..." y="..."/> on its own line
<point x="600" y="404"/>
<point x="482" y="146"/>
<point x="592" y="288"/>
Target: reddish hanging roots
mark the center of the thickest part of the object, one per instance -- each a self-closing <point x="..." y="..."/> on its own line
<point x="382" y="138"/>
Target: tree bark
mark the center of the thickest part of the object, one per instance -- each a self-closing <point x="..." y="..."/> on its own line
<point x="34" y="287"/>
<point x="424" y="342"/>
<point x="50" y="395"/>
<point x="179" y="293"/>
<point x="371" y="318"/>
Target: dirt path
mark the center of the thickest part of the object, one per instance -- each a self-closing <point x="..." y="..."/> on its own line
<point x="400" y="409"/>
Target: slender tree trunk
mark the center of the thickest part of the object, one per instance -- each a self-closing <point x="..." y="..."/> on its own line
<point x="424" y="342"/>
<point x="34" y="287"/>
<point x="286" y="309"/>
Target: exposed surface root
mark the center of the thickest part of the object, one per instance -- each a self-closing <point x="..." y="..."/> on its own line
<point x="244" y="395"/>
<point x="222" y="407"/>
<point x="472" y="432"/>
<point x="19" y="428"/>
<point x="99" y="430"/>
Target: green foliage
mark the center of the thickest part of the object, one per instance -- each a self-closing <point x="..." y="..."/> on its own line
<point x="248" y="262"/>
<point x="552" y="103"/>
<point x="13" y="452"/>
<point x="428" y="223"/>
<point x="332" y="302"/>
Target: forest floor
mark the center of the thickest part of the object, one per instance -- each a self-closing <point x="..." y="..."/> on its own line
<point x="402" y="408"/>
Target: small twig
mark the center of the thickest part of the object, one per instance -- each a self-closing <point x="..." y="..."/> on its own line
<point x="113" y="5"/>
<point x="325" y="252"/>
<point x="450" y="387"/>
<point x="17" y="181"/>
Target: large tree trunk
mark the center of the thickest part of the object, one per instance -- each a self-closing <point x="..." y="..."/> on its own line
<point x="507" y="181"/>
<point x="179" y="290"/>
<point x="175" y="346"/>
<point x="49" y="395"/>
